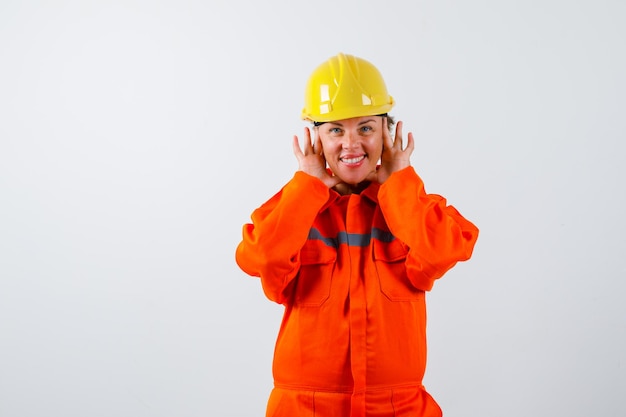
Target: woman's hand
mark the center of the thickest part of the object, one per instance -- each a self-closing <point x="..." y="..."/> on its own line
<point x="311" y="159"/>
<point x="393" y="157"/>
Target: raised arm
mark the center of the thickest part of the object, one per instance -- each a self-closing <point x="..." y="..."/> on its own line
<point x="437" y="235"/>
<point x="271" y="243"/>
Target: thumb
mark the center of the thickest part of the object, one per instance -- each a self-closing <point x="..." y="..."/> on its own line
<point x="372" y="176"/>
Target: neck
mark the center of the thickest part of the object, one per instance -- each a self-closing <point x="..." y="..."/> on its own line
<point x="346" y="189"/>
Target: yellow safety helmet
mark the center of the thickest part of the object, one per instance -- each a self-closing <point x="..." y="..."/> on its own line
<point x="345" y="86"/>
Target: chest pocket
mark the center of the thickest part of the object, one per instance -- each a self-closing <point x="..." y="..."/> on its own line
<point x="390" y="261"/>
<point x="317" y="263"/>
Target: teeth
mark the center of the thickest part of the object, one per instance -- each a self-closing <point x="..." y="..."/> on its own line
<point x="353" y="160"/>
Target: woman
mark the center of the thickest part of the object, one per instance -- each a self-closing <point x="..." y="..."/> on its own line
<point x="349" y="246"/>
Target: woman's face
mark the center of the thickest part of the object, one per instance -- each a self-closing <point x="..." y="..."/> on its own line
<point x="352" y="147"/>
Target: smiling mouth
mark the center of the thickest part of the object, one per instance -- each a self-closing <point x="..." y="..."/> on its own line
<point x="354" y="160"/>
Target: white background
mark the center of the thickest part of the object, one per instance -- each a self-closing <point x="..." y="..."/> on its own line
<point x="136" y="137"/>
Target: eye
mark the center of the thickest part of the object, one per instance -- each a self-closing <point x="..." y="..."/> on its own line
<point x="334" y="130"/>
<point x="366" y="129"/>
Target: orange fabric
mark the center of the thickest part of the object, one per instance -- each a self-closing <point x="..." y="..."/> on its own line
<point x="396" y="402"/>
<point x="352" y="272"/>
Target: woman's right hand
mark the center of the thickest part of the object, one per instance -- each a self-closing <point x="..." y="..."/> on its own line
<point x="311" y="159"/>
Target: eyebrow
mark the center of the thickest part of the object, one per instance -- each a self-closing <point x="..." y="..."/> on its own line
<point x="361" y="123"/>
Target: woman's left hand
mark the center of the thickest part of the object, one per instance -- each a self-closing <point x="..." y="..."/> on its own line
<point x="393" y="157"/>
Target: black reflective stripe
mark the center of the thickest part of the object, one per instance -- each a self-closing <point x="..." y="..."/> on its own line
<point x="382" y="235"/>
<point x="315" y="234"/>
<point x="351" y="239"/>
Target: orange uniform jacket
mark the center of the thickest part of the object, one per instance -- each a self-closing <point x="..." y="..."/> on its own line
<point x="351" y="272"/>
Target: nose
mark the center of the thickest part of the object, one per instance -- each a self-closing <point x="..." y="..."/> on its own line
<point x="350" y="140"/>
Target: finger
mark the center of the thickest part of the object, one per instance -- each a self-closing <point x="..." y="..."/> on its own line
<point x="308" y="147"/>
<point x="296" y="147"/>
<point x="387" y="141"/>
<point x="410" y="144"/>
<point x="398" y="139"/>
<point x="317" y="143"/>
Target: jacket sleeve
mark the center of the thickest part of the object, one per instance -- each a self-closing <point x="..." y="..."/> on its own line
<point x="436" y="234"/>
<point x="270" y="248"/>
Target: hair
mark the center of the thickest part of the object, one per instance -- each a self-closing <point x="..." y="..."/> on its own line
<point x="390" y="121"/>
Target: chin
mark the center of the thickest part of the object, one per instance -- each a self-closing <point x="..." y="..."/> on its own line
<point x="354" y="182"/>
<point x="356" y="177"/>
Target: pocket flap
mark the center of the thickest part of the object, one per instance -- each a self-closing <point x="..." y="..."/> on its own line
<point x="317" y="253"/>
<point x="390" y="251"/>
